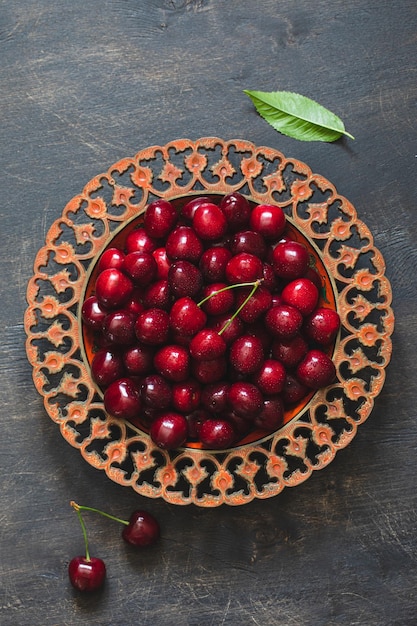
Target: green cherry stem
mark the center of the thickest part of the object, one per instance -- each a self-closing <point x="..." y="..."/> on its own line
<point x="78" y="508"/>
<point x="83" y="528"/>
<point x="254" y="283"/>
<point x="255" y="286"/>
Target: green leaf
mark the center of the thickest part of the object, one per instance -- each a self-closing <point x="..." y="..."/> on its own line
<point x="297" y="116"/>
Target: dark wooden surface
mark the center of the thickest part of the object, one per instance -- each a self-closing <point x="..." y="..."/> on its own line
<point x="84" y="84"/>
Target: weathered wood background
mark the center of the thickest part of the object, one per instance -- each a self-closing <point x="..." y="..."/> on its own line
<point x="84" y="84"/>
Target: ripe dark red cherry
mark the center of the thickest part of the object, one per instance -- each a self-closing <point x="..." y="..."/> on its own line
<point x="188" y="210"/>
<point x="237" y="210"/>
<point x="138" y="359"/>
<point x="113" y="288"/>
<point x="86" y="574"/>
<point x="243" y="267"/>
<point x="138" y="240"/>
<point x="119" y="328"/>
<point x="283" y="320"/>
<point x="157" y="295"/>
<point x="186" y="317"/>
<point x="186" y="396"/>
<point x="106" y="366"/>
<point x="162" y="262"/>
<point x="248" y="241"/>
<point x="216" y="433"/>
<point x="322" y="325"/>
<point x="141" y="267"/>
<point x="173" y="362"/>
<point x="93" y="313"/>
<point x="209" y="222"/>
<point x="214" y="397"/>
<point x="289" y="351"/>
<point x="290" y="260"/>
<point x="207" y="344"/>
<point x="122" y="399"/>
<point x="142" y="530"/>
<point x="270" y="378"/>
<point x="301" y="293"/>
<point x="152" y="326"/>
<point x="169" y="430"/>
<point x="245" y="398"/>
<point x="184" y="279"/>
<point x="112" y="257"/>
<point x="213" y="263"/>
<point x="155" y="392"/>
<point x="246" y="354"/>
<point x="160" y="218"/>
<point x="268" y="220"/>
<point x="316" y="370"/>
<point x="183" y="243"/>
<point x="271" y="415"/>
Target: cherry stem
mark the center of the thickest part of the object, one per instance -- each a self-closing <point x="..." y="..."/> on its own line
<point x="83" y="528"/>
<point x="255" y="286"/>
<point x="78" y="508"/>
<point x="254" y="283"/>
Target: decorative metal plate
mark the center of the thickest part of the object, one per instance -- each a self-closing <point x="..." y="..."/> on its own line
<point x="310" y="439"/>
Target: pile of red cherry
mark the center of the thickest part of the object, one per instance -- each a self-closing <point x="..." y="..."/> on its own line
<point x="208" y="323"/>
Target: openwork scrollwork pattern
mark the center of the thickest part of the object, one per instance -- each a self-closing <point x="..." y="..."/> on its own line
<point x="308" y="441"/>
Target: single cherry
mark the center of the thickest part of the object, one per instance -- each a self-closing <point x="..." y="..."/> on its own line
<point x="169" y="430"/>
<point x="86" y="574"/>
<point x="160" y="218"/>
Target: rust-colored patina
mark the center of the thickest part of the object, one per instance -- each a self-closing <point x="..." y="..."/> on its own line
<point x="354" y="282"/>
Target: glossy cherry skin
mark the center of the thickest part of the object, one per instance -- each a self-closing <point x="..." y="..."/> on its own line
<point x="209" y="222"/>
<point x="236" y="209"/>
<point x="213" y="263"/>
<point x="155" y="392"/>
<point x="290" y="260"/>
<point x="209" y="371"/>
<point x="316" y="370"/>
<point x="112" y="257"/>
<point x="143" y="529"/>
<point x="246" y="354"/>
<point x="268" y="220"/>
<point x="230" y="331"/>
<point x="86" y="574"/>
<point x="289" y="351"/>
<point x="283" y="320"/>
<point x="245" y="399"/>
<point x="138" y="359"/>
<point x="185" y="279"/>
<point x="160" y="218"/>
<point x="162" y="262"/>
<point x="271" y="415"/>
<point x="244" y="267"/>
<point x="216" y="433"/>
<point x="106" y="367"/>
<point x="169" y="430"/>
<point x="188" y="210"/>
<point x="122" y="399"/>
<point x="214" y="397"/>
<point x="173" y="362"/>
<point x="248" y="241"/>
<point x="157" y="295"/>
<point x="119" y="328"/>
<point x="93" y="313"/>
<point x="322" y="325"/>
<point x="141" y="267"/>
<point x="270" y="378"/>
<point x="186" y="396"/>
<point x="186" y="317"/>
<point x="152" y="326"/>
<point x="207" y="344"/>
<point x="183" y="243"/>
<point x="138" y="240"/>
<point x="256" y="305"/>
<point x="301" y="293"/>
<point x="113" y="288"/>
<point x="294" y="391"/>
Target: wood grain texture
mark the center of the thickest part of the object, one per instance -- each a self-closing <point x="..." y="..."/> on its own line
<point x="86" y="83"/>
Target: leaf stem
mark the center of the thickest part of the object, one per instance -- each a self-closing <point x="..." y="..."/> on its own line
<point x="79" y="507"/>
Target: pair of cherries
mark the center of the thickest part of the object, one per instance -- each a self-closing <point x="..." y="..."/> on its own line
<point x="88" y="573"/>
